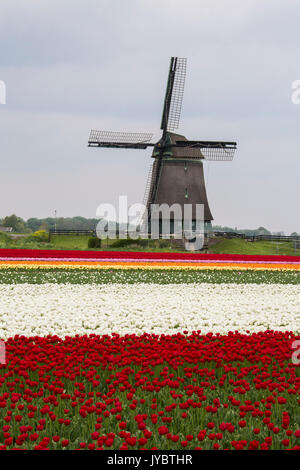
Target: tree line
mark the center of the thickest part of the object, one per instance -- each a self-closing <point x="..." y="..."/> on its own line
<point x="33" y="224"/>
<point x="81" y="223"/>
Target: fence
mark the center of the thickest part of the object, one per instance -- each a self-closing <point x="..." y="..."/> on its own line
<point x="53" y="232"/>
<point x="253" y="238"/>
<point x="72" y="232"/>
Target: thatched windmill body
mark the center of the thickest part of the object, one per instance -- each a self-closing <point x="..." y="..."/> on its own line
<point x="176" y="175"/>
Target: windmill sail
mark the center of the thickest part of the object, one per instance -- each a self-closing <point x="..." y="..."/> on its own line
<point x="174" y="94"/>
<point x="150" y="183"/>
<point x="218" y="153"/>
<point x="150" y="186"/>
<point x="208" y="150"/>
<point x="137" y="140"/>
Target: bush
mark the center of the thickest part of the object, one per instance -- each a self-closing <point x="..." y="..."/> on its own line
<point x="124" y="242"/>
<point x="164" y="243"/>
<point x="94" y="242"/>
<point x="40" y="236"/>
<point x="4" y="236"/>
<point x="143" y="242"/>
<point x="5" y="240"/>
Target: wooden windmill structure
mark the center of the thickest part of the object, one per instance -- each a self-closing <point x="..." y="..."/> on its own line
<point x="176" y="175"/>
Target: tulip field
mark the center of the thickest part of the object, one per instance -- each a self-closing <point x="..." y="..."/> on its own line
<point x="129" y="351"/>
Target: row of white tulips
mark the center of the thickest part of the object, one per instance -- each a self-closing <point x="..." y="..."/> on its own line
<point x="69" y="309"/>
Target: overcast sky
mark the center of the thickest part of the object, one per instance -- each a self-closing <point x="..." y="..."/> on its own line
<point x="73" y="65"/>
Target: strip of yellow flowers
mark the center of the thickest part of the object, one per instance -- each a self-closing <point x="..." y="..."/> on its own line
<point x="144" y="265"/>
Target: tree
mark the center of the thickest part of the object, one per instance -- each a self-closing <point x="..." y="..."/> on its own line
<point x="44" y="227"/>
<point x="263" y="231"/>
<point x="15" y="222"/>
<point x="33" y="224"/>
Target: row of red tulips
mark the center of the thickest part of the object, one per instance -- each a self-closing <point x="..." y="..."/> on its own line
<point x="235" y="391"/>
<point x="77" y="254"/>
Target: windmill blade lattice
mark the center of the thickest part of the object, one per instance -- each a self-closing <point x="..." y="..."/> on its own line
<point x="119" y="139"/>
<point x="177" y="94"/>
<point x="218" y="153"/>
<point x="207" y="150"/>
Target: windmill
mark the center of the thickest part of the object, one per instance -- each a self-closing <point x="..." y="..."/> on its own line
<point x="176" y="175"/>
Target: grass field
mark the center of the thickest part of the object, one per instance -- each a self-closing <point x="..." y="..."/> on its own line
<point x="244" y="247"/>
<point x="80" y="242"/>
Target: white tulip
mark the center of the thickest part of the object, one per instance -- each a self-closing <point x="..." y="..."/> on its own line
<point x="69" y="309"/>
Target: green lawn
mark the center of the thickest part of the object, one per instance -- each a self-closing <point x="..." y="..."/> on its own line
<point x="80" y="242"/>
<point x="70" y="242"/>
<point x="231" y="246"/>
<point x="239" y="246"/>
